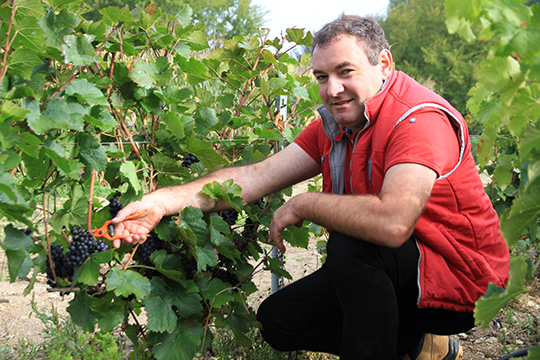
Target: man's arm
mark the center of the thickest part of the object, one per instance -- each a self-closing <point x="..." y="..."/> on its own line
<point x="277" y="172"/>
<point x="388" y="219"/>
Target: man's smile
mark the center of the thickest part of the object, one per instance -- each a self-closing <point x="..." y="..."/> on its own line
<point x="342" y="102"/>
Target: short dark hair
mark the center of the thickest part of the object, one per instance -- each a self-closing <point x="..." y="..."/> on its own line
<point x="366" y="30"/>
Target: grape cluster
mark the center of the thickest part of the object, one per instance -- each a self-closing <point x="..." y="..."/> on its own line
<point x="189" y="160"/>
<point x="190" y="266"/>
<point x="57" y="255"/>
<point x="147" y="248"/>
<point x="114" y="204"/>
<point x="82" y="246"/>
<point x="230" y="216"/>
<point x="225" y="276"/>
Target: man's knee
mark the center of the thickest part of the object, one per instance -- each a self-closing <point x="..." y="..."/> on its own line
<point x="272" y="330"/>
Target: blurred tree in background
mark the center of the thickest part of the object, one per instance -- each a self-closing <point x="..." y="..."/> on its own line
<point x="422" y="48"/>
<point x="222" y="19"/>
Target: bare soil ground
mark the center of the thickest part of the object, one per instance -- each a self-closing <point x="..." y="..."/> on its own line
<point x="516" y="327"/>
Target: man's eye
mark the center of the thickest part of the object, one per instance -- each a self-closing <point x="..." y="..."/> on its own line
<point x="321" y="77"/>
<point x="346" y="71"/>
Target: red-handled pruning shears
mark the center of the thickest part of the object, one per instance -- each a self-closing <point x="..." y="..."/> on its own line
<point x="107" y="230"/>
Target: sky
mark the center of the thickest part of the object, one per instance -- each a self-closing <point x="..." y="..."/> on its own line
<point x="312" y="14"/>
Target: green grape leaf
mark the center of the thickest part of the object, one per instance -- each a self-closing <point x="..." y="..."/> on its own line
<point x="524" y="212"/>
<point x="268" y="134"/>
<point x="299" y="37"/>
<point x="113" y="15"/>
<point x="80" y="309"/>
<point x="533" y="353"/>
<point x="206" y="257"/>
<point x="15" y="262"/>
<point x="78" y="49"/>
<point x="125" y="283"/>
<point x="195" y="70"/>
<point x="205" y="152"/>
<point x="29" y="144"/>
<point x="495" y="298"/>
<point x="91" y="153"/>
<point x="182" y="344"/>
<point x="86" y="92"/>
<point x="188" y="304"/>
<point x="57" y="154"/>
<point x="143" y="74"/>
<point x="15" y="239"/>
<point x="30" y="33"/>
<point x="504" y="171"/>
<point x="174" y="124"/>
<point x="228" y="191"/>
<point x="58" y="25"/>
<point x="215" y="291"/>
<point x="101" y="118"/>
<point x="168" y="265"/>
<point x="185" y="16"/>
<point x="191" y="219"/>
<point x="166" y="165"/>
<point x="129" y="170"/>
<point x="21" y="63"/>
<point x="209" y="118"/>
<point x="88" y="272"/>
<point x="484" y="148"/>
<point x="275" y="265"/>
<point x="110" y="312"/>
<point x="218" y="227"/>
<point x="30" y="8"/>
<point x="161" y="316"/>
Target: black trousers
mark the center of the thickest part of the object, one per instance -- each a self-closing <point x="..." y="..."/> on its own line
<point x="361" y="304"/>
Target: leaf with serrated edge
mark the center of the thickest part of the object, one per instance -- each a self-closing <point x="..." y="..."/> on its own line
<point x="80" y="309"/>
<point x="182" y="344"/>
<point x="161" y="316"/>
<point x="489" y="305"/>
<point x="125" y="283"/>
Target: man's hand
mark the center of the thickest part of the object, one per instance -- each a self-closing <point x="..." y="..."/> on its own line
<point x="284" y="217"/>
<point x="137" y="228"/>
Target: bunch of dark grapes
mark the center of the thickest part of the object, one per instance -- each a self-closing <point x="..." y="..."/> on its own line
<point x="249" y="234"/>
<point x="225" y="276"/>
<point x="189" y="160"/>
<point x="82" y="246"/>
<point x="190" y="266"/>
<point x="114" y="204"/>
<point x="230" y="216"/>
<point x="147" y="248"/>
<point x="62" y="272"/>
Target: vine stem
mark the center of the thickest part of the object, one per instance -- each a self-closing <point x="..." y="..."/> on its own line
<point x="3" y="71"/>
<point x="116" y="112"/>
<point x="45" y="222"/>
<point x="137" y="322"/>
<point x="91" y="198"/>
<point x="60" y="89"/>
<point x="130" y="257"/>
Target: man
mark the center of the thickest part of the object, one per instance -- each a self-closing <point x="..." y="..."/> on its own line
<point x="414" y="240"/>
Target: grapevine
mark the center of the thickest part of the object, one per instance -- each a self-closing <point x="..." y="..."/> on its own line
<point x="128" y="108"/>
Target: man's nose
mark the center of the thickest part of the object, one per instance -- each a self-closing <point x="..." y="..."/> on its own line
<point x="335" y="87"/>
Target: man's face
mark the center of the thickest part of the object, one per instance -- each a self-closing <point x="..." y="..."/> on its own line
<point x="347" y="79"/>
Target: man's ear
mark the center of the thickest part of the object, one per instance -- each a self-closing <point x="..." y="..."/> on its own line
<point x="385" y="63"/>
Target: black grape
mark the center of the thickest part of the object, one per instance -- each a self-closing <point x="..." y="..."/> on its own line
<point x="114" y="204"/>
<point x="189" y="160"/>
<point x="62" y="272"/>
<point x="147" y="248"/>
<point x="230" y="216"/>
<point x="82" y="246"/>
